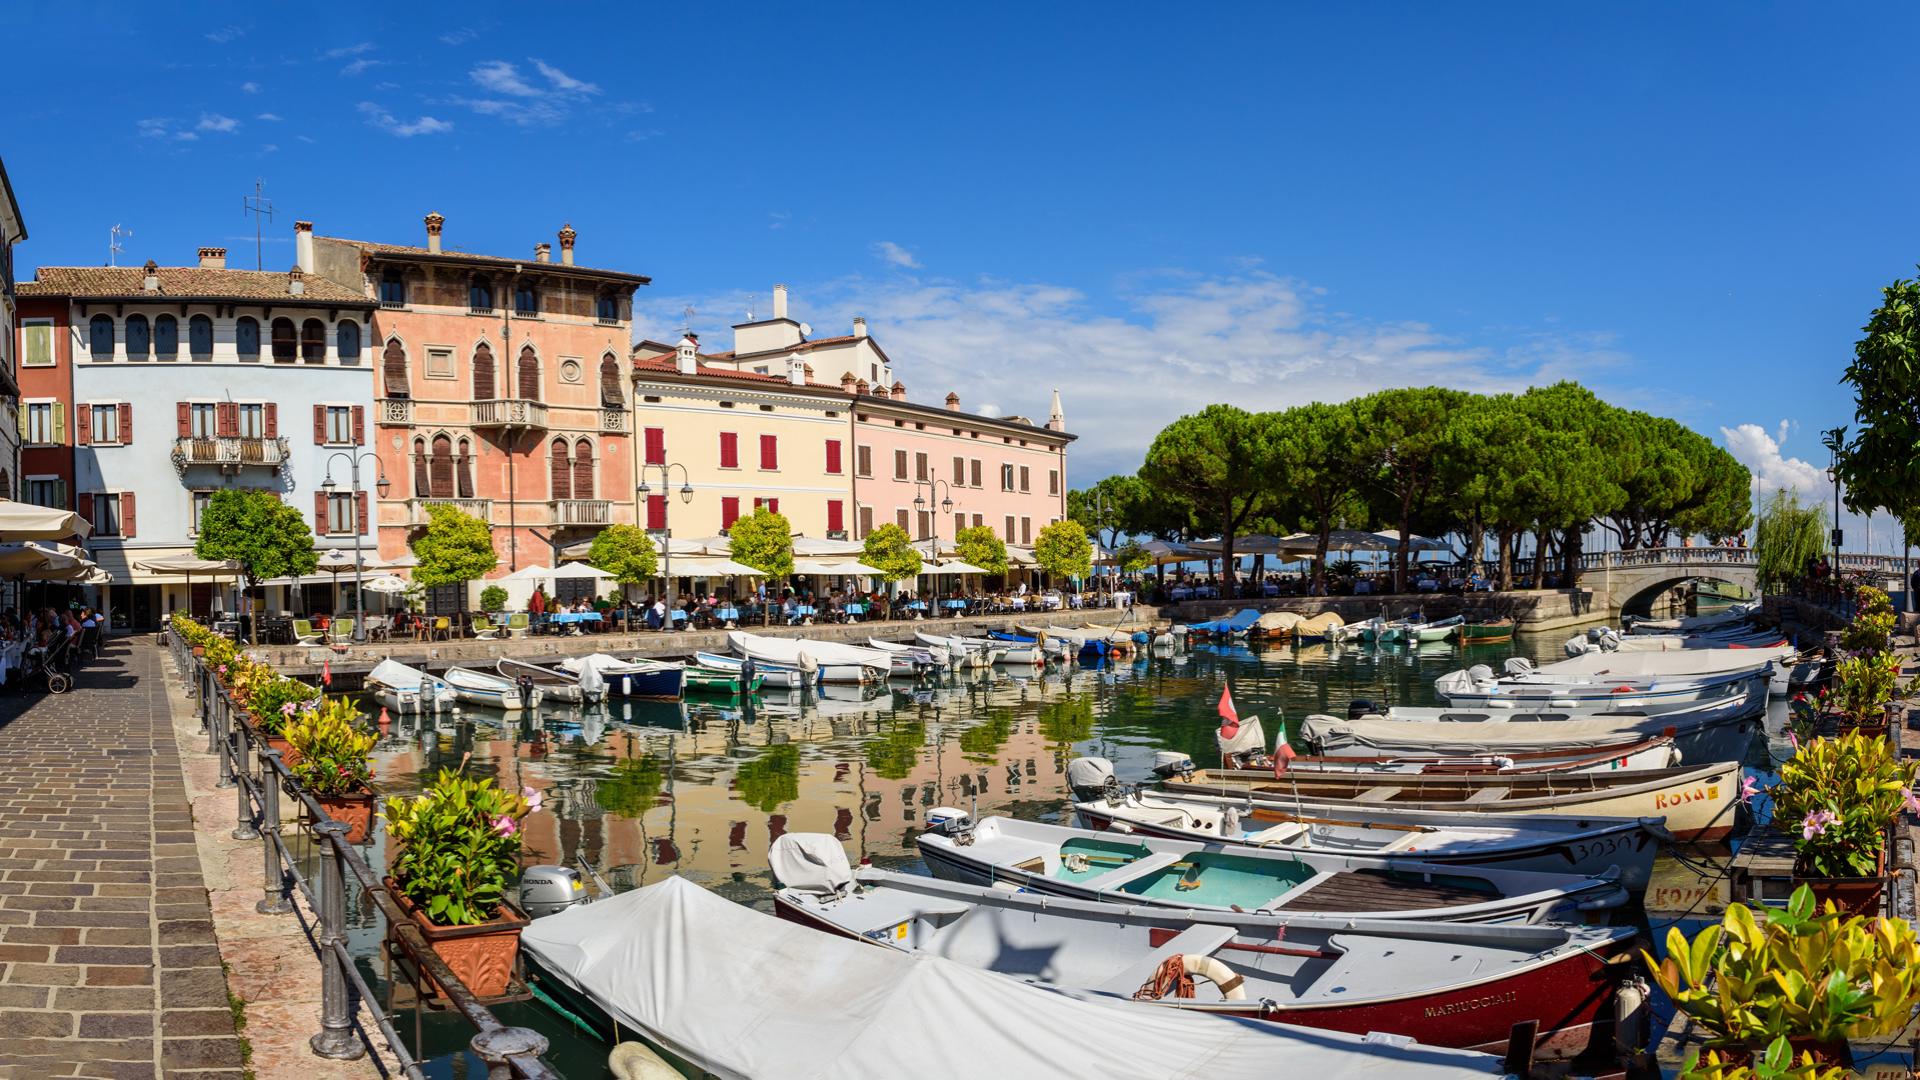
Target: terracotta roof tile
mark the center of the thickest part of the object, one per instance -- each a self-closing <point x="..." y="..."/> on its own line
<point x="497" y="260"/>
<point x="184" y="283"/>
<point x="668" y="365"/>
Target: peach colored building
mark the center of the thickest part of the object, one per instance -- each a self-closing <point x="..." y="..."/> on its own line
<point x="500" y="387"/>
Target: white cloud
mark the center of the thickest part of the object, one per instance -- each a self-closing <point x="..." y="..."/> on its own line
<point x="386" y="122"/>
<point x="502" y="77"/>
<point x="1165" y="344"/>
<point x="895" y="254"/>
<point x="562" y="81"/>
<point x="519" y="100"/>
<point x="216" y="122"/>
<point x="268" y="148"/>
<point x="1759" y="450"/>
<point x="225" y="34"/>
<point x="268" y="117"/>
<point x="160" y="127"/>
<point x="345" y="51"/>
<point x="355" y="67"/>
<point x="459" y="37"/>
<point x="777" y="219"/>
<point x="249" y="87"/>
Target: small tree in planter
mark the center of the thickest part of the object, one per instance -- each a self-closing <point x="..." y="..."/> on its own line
<point x="1871" y="630"/>
<point x="459" y="848"/>
<point x="330" y="759"/>
<point x="492" y="599"/>
<point x="1840" y="795"/>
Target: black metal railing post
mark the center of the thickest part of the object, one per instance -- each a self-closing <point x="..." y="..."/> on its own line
<point x="336" y="1038"/>
<point x="242" y="799"/>
<point x="496" y="1046"/>
<point x="273" y="880"/>
<point x="223" y="740"/>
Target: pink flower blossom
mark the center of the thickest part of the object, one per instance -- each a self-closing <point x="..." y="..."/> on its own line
<point x="535" y="800"/>
<point x="286" y="709"/>
<point x="1817" y="823"/>
<point x="1794" y="739"/>
<point x="504" y="825"/>
<point x="1911" y="800"/>
<point x="1749" y="787"/>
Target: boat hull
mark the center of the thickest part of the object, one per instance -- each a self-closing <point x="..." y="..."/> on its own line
<point x="779" y="676"/>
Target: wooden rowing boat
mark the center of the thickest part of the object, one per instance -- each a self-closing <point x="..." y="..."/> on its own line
<point x="1485" y="633"/>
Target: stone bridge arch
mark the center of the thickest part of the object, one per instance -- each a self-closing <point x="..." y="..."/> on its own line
<point x="1633" y="591"/>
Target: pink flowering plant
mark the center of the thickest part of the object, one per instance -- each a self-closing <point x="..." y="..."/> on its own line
<point x="1836" y="798"/>
<point x="459" y="846"/>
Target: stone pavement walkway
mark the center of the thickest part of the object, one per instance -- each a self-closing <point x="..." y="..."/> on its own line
<point x="108" y="964"/>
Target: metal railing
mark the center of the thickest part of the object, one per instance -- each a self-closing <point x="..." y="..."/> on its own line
<point x="230" y="450"/>
<point x="510" y="1052"/>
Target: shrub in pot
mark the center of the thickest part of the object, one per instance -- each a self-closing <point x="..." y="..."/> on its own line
<point x="1839" y="796"/>
<point x="493" y="598"/>
<point x="330" y="760"/>
<point x="276" y="701"/>
<point x="1863" y="687"/>
<point x="1777" y="1063"/>
<point x="458" y="851"/>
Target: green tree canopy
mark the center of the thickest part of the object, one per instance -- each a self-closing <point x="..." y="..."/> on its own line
<point x="1402" y="437"/>
<point x="764" y="541"/>
<point x="1317" y="471"/>
<point x="1216" y="464"/>
<point x="890" y="552"/>
<point x="1110" y="507"/>
<point x="982" y="547"/>
<point x="1063" y="550"/>
<point x="626" y="552"/>
<point x="1788" y="537"/>
<point x="255" y="528"/>
<point x="1880" y="467"/>
<point x="1131" y="556"/>
<point x="456" y="548"/>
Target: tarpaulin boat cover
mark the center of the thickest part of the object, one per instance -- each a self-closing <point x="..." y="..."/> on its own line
<point x="745" y="995"/>
<point x="1250" y="738"/>
<point x="1498" y="734"/>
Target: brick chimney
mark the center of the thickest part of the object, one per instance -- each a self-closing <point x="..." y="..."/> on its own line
<point x="859" y="326"/>
<point x="846" y="382"/>
<point x="151" y="282"/>
<point x="213" y="258"/>
<point x="567" y="236"/>
<point x="303" y="245"/>
<point x="543" y="253"/>
<point x="953" y="401"/>
<point x="860" y="387"/>
<point x="434" y="224"/>
<point x="899" y="391"/>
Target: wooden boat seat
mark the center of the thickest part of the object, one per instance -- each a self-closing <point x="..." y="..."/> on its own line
<point x="1377" y="794"/>
<point x="1201" y="938"/>
<point x="1374" y="890"/>
<point x="1487" y="795"/>
<point x="1146" y="864"/>
<point x="1280" y="834"/>
<point x="1403" y="841"/>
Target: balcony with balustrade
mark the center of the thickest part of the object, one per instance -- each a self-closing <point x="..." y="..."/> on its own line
<point x="230" y="453"/>
<point x="509" y="413"/>
<point x="417" y="508"/>
<point x="581" y="512"/>
<point x="394" y="412"/>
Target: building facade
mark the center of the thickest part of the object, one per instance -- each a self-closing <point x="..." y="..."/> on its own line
<point x="188" y="380"/>
<point x="501" y="388"/>
<point x="13" y="229"/>
<point x="44" y="345"/>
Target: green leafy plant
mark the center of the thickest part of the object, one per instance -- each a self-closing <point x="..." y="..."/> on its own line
<point x="1777" y="1063"/>
<point x="456" y="548"/>
<point x="493" y="598"/>
<point x="982" y="547"/>
<point x="764" y="541"/>
<point x="1871" y="630"/>
<point x="1864" y="684"/>
<point x="1788" y="538"/>
<point x="459" y="847"/>
<point x="890" y="551"/>
<point x="1063" y="550"/>
<point x="626" y="552"/>
<point x="1839" y="795"/>
<point x="277" y="700"/>
<point x="264" y="535"/>
<point x="330" y="748"/>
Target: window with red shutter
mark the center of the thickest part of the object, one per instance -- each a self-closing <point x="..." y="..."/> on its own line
<point x="360" y="511"/>
<point x="83" y="421"/>
<point x="359" y="425"/>
<point x="320" y="512"/>
<point x="656" y="512"/>
<point x="866" y="521"/>
<point x="127" y="526"/>
<point x="656" y="446"/>
<point x="562" y="471"/>
<point x="484" y="383"/>
<point x="319" y="425"/>
<point x="529" y="374"/>
<point x="440" y="468"/>
<point x="583" y="470"/>
<point x="227" y="421"/>
<point x="729" y="450"/>
<point x="836" y="516"/>
<point x="273" y="420"/>
<point x="773" y="506"/>
<point x="769" y="452"/>
<point x="183" y="416"/>
<point x="729" y="511"/>
<point x="833" y="455"/>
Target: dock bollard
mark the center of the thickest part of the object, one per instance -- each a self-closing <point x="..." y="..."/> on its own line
<point x="273" y="880"/>
<point x="222" y="719"/>
<point x="336" y="1039"/>
<point x="494" y="1047"/>
<point x="242" y="805"/>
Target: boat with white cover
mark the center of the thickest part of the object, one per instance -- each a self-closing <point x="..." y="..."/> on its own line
<point x="777" y="676"/>
<point x="1602" y="689"/>
<point x="688" y="971"/>
<point x="657" y="680"/>
<point x="1732" y="616"/>
<point x="930" y="656"/>
<point x="833" y="661"/>
<point x="490" y="690"/>
<point x="408" y="690"/>
<point x="1336" y="972"/>
<point x="965" y="652"/>
<point x="1134" y="869"/>
<point x="556" y="684"/>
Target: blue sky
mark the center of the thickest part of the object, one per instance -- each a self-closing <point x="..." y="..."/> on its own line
<point x="1689" y="207"/>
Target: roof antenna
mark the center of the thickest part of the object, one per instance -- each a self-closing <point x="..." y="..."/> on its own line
<point x="686" y="320"/>
<point x="259" y="206"/>
<point x="749" y="307"/>
<point x="114" y="246"/>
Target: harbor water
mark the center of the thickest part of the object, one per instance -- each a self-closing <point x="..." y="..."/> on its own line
<point x="639" y="791"/>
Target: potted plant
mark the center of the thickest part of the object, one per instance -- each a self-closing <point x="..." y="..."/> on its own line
<point x="1871" y="630"/>
<point x="1814" y="977"/>
<point x="330" y="759"/>
<point x="1863" y="690"/>
<point x="274" y="702"/>
<point x="458" y="848"/>
<point x="1777" y="1063"/>
<point x="492" y="599"/>
<point x="1841" y="795"/>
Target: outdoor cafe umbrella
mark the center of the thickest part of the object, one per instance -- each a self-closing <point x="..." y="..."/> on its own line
<point x="332" y="561"/>
<point x="25" y="521"/>
<point x="188" y="565"/>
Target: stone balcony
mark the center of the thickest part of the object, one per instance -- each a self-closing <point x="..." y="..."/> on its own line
<point x="581" y="512"/>
<point x="509" y="413"/>
<point x="394" y="412"/>
<point x="230" y="452"/>
<point x="417" y="508"/>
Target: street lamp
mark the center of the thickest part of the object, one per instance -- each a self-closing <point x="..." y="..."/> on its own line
<point x="933" y="487"/>
<point x="1834" y="439"/>
<point x="666" y="531"/>
<point x="1100" y="508"/>
<point x="359" y="571"/>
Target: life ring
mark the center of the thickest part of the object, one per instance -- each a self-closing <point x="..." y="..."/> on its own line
<point x="1225" y="979"/>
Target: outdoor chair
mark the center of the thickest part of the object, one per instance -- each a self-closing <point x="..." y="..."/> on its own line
<point x="484" y="629"/>
<point x="305" y="634"/>
<point x="518" y="624"/>
<point x="341" y="630"/>
<point x="442" y="629"/>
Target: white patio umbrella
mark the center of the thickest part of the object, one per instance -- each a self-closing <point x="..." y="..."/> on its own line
<point x="713" y="566"/>
<point x="386" y="584"/>
<point x="25" y="521"/>
<point x="188" y="565"/>
<point x="572" y="570"/>
<point x="839" y="567"/>
<point x="530" y="573"/>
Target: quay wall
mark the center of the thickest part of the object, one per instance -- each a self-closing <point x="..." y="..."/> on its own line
<point x="1532" y="610"/>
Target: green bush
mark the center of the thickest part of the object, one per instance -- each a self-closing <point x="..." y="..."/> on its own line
<point x="493" y="598"/>
<point x="459" y="847"/>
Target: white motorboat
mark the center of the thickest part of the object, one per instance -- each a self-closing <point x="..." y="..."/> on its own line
<point x="772" y="675"/>
<point x="408" y="690"/>
<point x="489" y="690"/>
<point x="832" y="661"/>
<point x="657" y="680"/>
<point x="923" y="655"/>
<point x="556" y="684"/>
<point x="1634" y="685"/>
<point x="963" y="652"/>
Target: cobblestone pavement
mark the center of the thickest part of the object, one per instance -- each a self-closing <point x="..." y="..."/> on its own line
<point x="108" y="964"/>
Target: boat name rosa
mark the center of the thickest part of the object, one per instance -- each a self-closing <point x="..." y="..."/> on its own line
<point x="1709" y="793"/>
<point x="1471" y="1004"/>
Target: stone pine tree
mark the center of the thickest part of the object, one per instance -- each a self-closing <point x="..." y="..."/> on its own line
<point x="268" y="538"/>
<point x="1216" y="463"/>
<point x="456" y="548"/>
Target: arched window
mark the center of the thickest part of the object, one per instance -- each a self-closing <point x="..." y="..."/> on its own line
<point x="440" y="470"/>
<point x="166" y="338"/>
<point x="422" y="483"/>
<point x="393" y="363"/>
<point x="562" y="471"/>
<point x="526" y="299"/>
<point x="606" y="307"/>
<point x="347" y="341"/>
<point x="484" y="384"/>
<point x="200" y="337"/>
<point x="313" y="341"/>
<point x="610" y="394"/>
<point x="464" y="470"/>
<point x="529" y="374"/>
<point x="480" y="294"/>
<point x="139" y="339"/>
<point x="583" y="470"/>
<point x="393" y="289"/>
<point x="100" y="338"/>
<point x="284" y="343"/>
<point x="246" y="338"/>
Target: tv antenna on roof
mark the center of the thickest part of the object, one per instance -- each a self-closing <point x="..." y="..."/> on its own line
<point x="749" y="307"/>
<point x="686" y="320"/>
<point x="259" y="206"/>
<point x="114" y="247"/>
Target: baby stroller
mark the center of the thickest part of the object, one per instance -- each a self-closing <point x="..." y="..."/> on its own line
<point x="51" y="665"/>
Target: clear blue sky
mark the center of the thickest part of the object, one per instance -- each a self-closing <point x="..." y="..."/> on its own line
<point x="1689" y="207"/>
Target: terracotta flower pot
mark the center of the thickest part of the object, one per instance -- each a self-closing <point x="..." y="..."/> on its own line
<point x="354" y="810"/>
<point x="483" y="955"/>
<point x="199" y="650"/>
<point x="1852" y="895"/>
<point x="1826" y="1053"/>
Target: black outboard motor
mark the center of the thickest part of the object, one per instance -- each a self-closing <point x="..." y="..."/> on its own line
<point x="1360" y="707"/>
<point x="1091" y="779"/>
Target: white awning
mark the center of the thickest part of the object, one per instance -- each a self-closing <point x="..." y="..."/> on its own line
<point x="25" y="521"/>
<point x="842" y="566"/>
<point x="708" y="566"/>
<point x="957" y="566"/>
<point x="190" y="564"/>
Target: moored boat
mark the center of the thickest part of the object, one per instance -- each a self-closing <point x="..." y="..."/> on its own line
<point x="657" y="680"/>
<point x="834" y="662"/>
<point x="965" y="652"/>
<point x="1604" y="690"/>
<point x="408" y="690"/>
<point x="574" y="688"/>
<point x="770" y="674"/>
<point x="1439" y="630"/>
<point x="490" y="690"/>
<point x="1485" y="632"/>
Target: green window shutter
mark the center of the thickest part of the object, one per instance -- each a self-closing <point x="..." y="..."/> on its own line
<point x="60" y="494"/>
<point x="60" y="423"/>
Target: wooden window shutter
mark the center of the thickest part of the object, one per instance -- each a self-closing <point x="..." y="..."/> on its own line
<point x="483" y="381"/>
<point x="359" y="425"/>
<point x="583" y="471"/>
<point x="23" y="427"/>
<point x="656" y="446"/>
<point x="60" y="493"/>
<point x="442" y="467"/>
<point x="394" y="362"/>
<point x="773" y="506"/>
<point x="83" y="417"/>
<point x="60" y="422"/>
<point x="657" y="511"/>
<point x="183" y="418"/>
<point x="729" y="511"/>
<point x="273" y="420"/>
<point x="833" y="455"/>
<point x="127" y="524"/>
<point x="770" y="451"/>
<point x="126" y="423"/>
<point x="464" y="489"/>
<point x="319" y="425"/>
<point x="360" y="511"/>
<point x="320" y="512"/>
<point x="836" y="516"/>
<point x="900" y="519"/>
<point x="529" y="375"/>
<point x="227" y="419"/>
<point x="866" y="521"/>
<point x="729" y="449"/>
<point x="561" y="474"/>
<point x="959" y="472"/>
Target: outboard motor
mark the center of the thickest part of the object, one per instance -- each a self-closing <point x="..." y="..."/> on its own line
<point x="1360" y="707"/>
<point x="547" y="888"/>
<point x="949" y="821"/>
<point x="1519" y="665"/>
<point x="1168" y="764"/>
<point x="1091" y="778"/>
